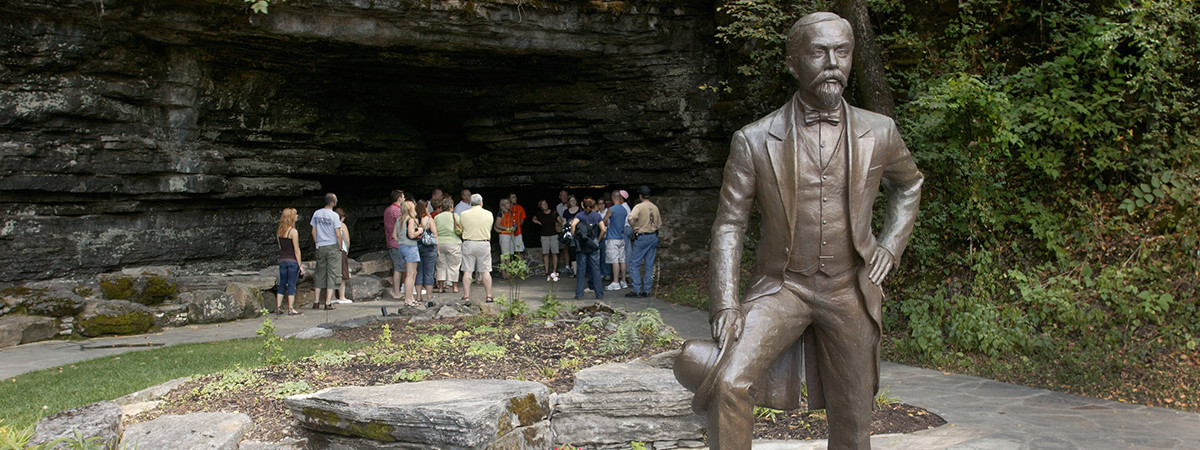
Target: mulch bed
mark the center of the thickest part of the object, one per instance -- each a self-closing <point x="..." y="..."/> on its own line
<point x="532" y="351"/>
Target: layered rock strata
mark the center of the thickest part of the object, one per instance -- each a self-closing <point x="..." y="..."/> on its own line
<point x="150" y="132"/>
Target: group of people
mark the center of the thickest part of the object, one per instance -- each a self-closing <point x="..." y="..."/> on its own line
<point x="609" y="240"/>
<point x="332" y="238"/>
<point x="436" y="246"/>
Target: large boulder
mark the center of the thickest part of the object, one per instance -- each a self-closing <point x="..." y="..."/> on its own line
<point x="249" y="297"/>
<point x="614" y="404"/>
<point x="197" y="431"/>
<point x="375" y="263"/>
<point x="50" y="299"/>
<point x="460" y="414"/>
<point x="100" y="317"/>
<point x="100" y="420"/>
<point x="170" y="315"/>
<point x="147" y="286"/>
<point x="211" y="306"/>
<point x="20" y="329"/>
<point x="365" y="288"/>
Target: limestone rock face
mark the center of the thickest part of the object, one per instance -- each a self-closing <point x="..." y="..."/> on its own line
<point x="364" y="287"/>
<point x="100" y="317"/>
<point x="197" y="431"/>
<point x="20" y="329"/>
<point x="211" y="306"/>
<point x="613" y="404"/>
<point x="97" y="420"/>
<point x="462" y="414"/>
<point x="174" y="132"/>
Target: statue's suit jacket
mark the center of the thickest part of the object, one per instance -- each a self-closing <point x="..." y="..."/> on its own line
<point x="762" y="167"/>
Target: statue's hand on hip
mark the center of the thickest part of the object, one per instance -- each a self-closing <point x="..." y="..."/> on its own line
<point x="728" y="324"/>
<point x="881" y="264"/>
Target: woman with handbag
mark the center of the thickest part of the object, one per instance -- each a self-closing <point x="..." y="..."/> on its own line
<point x="427" y="247"/>
<point x="449" y="235"/>
<point x="407" y="231"/>
<point x="345" y="231"/>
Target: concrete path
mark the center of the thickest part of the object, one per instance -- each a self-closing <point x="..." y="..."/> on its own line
<point x="981" y="413"/>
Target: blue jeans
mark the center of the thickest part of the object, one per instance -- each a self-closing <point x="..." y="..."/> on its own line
<point x="427" y="266"/>
<point x="589" y="264"/>
<point x="289" y="271"/>
<point x="644" y="249"/>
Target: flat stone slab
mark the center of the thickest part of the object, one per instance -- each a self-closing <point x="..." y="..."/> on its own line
<point x="198" y="431"/>
<point x="613" y="404"/>
<point x="97" y="420"/>
<point x="313" y="333"/>
<point x="450" y="414"/>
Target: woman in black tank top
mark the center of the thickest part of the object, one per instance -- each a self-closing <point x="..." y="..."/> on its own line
<point x="289" y="261"/>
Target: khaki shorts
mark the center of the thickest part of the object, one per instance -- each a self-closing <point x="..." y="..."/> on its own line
<point x="449" y="262"/>
<point x="550" y="245"/>
<point x="329" y="267"/>
<point x="511" y="244"/>
<point x="614" y="250"/>
<point x="476" y="256"/>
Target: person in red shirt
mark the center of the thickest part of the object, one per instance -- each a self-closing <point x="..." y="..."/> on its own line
<point x="519" y="217"/>
<point x="389" y="223"/>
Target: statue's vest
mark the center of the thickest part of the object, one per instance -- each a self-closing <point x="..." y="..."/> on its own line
<point x="821" y="240"/>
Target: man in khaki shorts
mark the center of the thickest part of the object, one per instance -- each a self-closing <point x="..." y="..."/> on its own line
<point x="477" y="247"/>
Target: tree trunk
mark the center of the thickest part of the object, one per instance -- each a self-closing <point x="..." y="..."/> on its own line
<point x="871" y="90"/>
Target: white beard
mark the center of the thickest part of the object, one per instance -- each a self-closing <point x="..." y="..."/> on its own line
<point x="828" y="95"/>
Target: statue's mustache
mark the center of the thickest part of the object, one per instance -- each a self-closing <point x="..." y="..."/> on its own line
<point x="829" y="75"/>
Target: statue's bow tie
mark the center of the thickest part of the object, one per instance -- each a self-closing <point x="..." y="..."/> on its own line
<point x="812" y="116"/>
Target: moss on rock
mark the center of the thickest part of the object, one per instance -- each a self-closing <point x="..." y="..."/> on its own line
<point x="157" y="290"/>
<point x="136" y="322"/>
<point x="118" y="287"/>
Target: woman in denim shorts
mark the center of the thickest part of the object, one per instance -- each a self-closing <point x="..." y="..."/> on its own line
<point x="289" y="261"/>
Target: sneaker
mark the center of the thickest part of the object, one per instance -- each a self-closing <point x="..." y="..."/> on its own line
<point x="645" y="294"/>
<point x="587" y="289"/>
<point x="615" y="286"/>
<point x="342" y="302"/>
<point x="624" y="285"/>
<point x="633" y="295"/>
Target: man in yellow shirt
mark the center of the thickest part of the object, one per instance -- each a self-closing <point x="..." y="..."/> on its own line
<point x="476" y="247"/>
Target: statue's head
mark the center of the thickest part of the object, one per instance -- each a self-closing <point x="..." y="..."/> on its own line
<point x="820" y="48"/>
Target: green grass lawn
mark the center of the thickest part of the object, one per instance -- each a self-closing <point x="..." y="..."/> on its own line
<point x="26" y="398"/>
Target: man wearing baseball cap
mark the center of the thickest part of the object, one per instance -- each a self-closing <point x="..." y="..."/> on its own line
<point x="645" y="220"/>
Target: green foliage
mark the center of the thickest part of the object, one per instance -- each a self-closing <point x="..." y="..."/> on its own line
<point x="884" y="398"/>
<point x="756" y="35"/>
<point x="13" y="437"/>
<point x="487" y="349"/>
<point x="331" y="357"/>
<point x="516" y="269"/>
<point x="511" y="309"/>
<point x="768" y="414"/>
<point x="412" y="375"/>
<point x="688" y="294"/>
<point x="231" y="380"/>
<point x="551" y="307"/>
<point x="636" y="330"/>
<point x="288" y="388"/>
<point x="637" y="445"/>
<point x="272" y="352"/>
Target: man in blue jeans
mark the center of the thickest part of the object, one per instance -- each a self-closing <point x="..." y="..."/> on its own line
<point x="645" y="220"/>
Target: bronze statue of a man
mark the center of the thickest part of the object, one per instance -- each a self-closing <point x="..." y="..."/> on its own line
<point x="814" y="167"/>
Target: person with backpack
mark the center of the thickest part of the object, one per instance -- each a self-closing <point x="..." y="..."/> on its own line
<point x="588" y="229"/>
